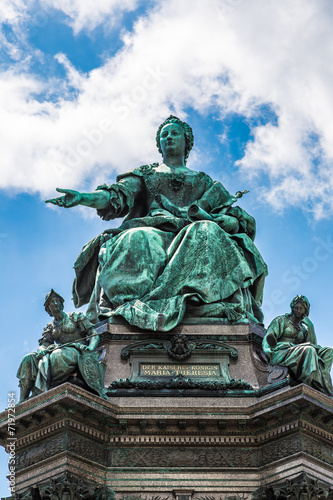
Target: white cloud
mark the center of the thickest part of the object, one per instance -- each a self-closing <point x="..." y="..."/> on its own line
<point x="222" y="55"/>
<point x="12" y="14"/>
<point x="12" y="11"/>
<point x="87" y="14"/>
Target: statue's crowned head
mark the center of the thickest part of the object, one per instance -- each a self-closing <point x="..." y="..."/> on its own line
<point x="301" y="299"/>
<point x="49" y="296"/>
<point x="188" y="132"/>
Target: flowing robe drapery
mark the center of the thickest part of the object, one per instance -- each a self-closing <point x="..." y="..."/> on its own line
<point x="298" y="350"/>
<point x="55" y="368"/>
<point x="159" y="265"/>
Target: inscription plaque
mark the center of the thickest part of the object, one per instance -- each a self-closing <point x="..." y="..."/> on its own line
<point x="172" y="370"/>
<point x="209" y="361"/>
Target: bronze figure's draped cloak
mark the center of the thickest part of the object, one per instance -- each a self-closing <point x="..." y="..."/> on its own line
<point x="297" y="349"/>
<point x="161" y="264"/>
<point x="53" y="368"/>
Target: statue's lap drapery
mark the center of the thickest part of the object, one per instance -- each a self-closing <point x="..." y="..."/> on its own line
<point x="52" y="370"/>
<point x="158" y="266"/>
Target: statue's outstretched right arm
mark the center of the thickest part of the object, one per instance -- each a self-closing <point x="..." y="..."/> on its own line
<point x="98" y="199"/>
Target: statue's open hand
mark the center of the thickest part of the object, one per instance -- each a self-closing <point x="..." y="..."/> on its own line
<point x="232" y="315"/>
<point x="42" y="351"/>
<point x="71" y="198"/>
<point x="83" y="347"/>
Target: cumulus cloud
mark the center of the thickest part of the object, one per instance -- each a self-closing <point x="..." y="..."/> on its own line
<point x="12" y="14"/>
<point x="87" y="14"/>
<point x="12" y="11"/>
<point x="226" y="56"/>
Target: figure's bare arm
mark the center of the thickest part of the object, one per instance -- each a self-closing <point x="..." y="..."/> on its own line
<point x="98" y="199"/>
<point x="94" y="341"/>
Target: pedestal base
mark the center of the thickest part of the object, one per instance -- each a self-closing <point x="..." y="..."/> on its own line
<point x="203" y="445"/>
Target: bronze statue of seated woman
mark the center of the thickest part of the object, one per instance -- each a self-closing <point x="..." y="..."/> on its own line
<point x="291" y="341"/>
<point x="64" y="352"/>
<point x="182" y="250"/>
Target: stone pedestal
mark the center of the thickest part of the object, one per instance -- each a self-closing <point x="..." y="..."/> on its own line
<point x="172" y="428"/>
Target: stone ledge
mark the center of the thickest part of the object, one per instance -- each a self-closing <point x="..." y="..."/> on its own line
<point x="191" y="328"/>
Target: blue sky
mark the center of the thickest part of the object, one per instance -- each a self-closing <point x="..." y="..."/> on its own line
<point x="83" y="88"/>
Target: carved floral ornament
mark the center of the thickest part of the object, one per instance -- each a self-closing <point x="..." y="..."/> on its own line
<point x="303" y="487"/>
<point x="71" y="487"/>
<point x="179" y="347"/>
<point x="66" y="487"/>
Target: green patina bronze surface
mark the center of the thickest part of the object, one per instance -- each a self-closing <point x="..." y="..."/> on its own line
<point x="291" y="341"/>
<point x="182" y="250"/>
<point x="63" y="351"/>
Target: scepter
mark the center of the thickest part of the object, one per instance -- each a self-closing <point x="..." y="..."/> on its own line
<point x="197" y="213"/>
<point x="67" y="344"/>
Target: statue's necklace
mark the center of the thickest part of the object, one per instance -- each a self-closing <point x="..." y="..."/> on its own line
<point x="176" y="181"/>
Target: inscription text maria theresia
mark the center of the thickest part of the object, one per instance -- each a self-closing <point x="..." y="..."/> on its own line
<point x="169" y="370"/>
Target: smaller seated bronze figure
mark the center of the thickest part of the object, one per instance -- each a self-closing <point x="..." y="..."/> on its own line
<point x="63" y="351"/>
<point x="291" y="341"/>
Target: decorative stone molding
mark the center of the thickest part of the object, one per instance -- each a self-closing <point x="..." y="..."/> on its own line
<point x="180" y="382"/>
<point x="66" y="487"/>
<point x="183" y="457"/>
<point x="139" y="497"/>
<point x="302" y="487"/>
<point x="180" y="352"/>
<point x="67" y="441"/>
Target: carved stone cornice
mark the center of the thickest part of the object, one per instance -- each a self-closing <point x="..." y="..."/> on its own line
<point x="302" y="487"/>
<point x="61" y="425"/>
<point x="183" y="440"/>
<point x="66" y="486"/>
<point x="75" y="409"/>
